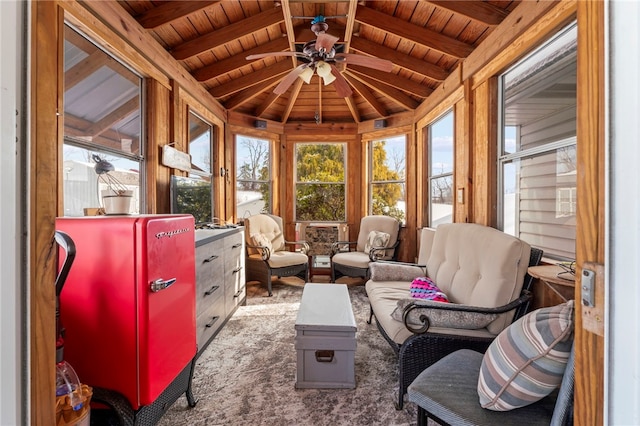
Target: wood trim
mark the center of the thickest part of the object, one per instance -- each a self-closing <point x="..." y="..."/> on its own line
<point x="409" y="245"/>
<point x="44" y="204"/>
<point x="590" y="241"/>
<point x="463" y="158"/>
<point x="158" y="133"/>
<point x="484" y="150"/>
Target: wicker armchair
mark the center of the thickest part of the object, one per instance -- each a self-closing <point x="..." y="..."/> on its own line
<point x="418" y="347"/>
<point x="352" y="258"/>
<point x="268" y="253"/>
<point x="447" y="392"/>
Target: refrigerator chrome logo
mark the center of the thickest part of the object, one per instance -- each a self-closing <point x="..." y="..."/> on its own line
<point x="171" y="233"/>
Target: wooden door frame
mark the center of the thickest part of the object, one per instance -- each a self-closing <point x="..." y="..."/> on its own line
<point x="590" y="238"/>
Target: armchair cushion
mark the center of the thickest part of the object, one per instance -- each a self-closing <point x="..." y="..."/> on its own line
<point x="392" y="271"/>
<point x="376" y="239"/>
<point x="441" y="317"/>
<point x="527" y="360"/>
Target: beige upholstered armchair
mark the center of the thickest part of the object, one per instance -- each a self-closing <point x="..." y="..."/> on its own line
<point x="377" y="240"/>
<point x="268" y="254"/>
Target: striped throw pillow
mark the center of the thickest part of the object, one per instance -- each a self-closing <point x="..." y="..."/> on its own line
<point x="527" y="360"/>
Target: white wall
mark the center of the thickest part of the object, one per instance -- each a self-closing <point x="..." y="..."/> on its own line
<point x="623" y="252"/>
<point x="12" y="118"/>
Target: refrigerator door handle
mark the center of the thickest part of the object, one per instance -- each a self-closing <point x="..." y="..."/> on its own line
<point x="160" y="284"/>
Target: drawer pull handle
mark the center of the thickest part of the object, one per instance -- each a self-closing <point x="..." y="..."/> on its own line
<point x="237" y="245"/>
<point x="160" y="284"/>
<point x="324" y="356"/>
<point x="238" y="269"/>
<point x="238" y="293"/>
<point x="210" y="259"/>
<point x="213" y="321"/>
<point x="211" y="290"/>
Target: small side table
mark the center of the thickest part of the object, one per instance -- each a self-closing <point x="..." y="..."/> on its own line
<point x="550" y="289"/>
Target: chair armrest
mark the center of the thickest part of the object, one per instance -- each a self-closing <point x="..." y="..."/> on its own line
<point x="335" y="247"/>
<point x="426" y="323"/>
<point x="265" y="252"/>
<point x="379" y="253"/>
<point x="304" y="244"/>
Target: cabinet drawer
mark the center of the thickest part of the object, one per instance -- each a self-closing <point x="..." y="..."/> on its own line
<point x="209" y="321"/>
<point x="209" y="273"/>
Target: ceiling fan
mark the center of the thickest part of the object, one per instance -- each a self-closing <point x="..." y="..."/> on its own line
<point x="320" y="57"/>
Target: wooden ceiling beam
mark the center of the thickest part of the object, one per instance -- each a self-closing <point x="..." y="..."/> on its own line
<point x="252" y="92"/>
<point x="366" y="94"/>
<point x="271" y="98"/>
<point x="171" y="11"/>
<point x="407" y="62"/>
<point x="415" y="33"/>
<point x="478" y="11"/>
<point x="293" y="96"/>
<point x="250" y="79"/>
<point x="227" y="34"/>
<point x="392" y="93"/>
<point x="351" y="20"/>
<point x="238" y="61"/>
<point x="351" y="104"/>
<point x="393" y="80"/>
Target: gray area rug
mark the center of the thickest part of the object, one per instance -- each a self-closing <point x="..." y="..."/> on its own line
<point x="247" y="374"/>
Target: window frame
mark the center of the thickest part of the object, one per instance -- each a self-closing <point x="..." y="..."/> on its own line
<point x="78" y="142"/>
<point x="269" y="165"/>
<point x="546" y="147"/>
<point x="402" y="181"/>
<point x="296" y="182"/>
<point x="431" y="177"/>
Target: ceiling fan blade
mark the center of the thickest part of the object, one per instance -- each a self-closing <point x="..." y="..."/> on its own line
<point x="342" y="87"/>
<point x="273" y="54"/>
<point x="325" y="41"/>
<point x="288" y="80"/>
<point x="366" y="61"/>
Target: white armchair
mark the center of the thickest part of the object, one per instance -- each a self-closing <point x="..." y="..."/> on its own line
<point x="377" y="240"/>
<point x="268" y="253"/>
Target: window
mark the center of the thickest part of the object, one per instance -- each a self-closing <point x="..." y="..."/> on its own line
<point x="102" y="110"/>
<point x="320" y="185"/>
<point x="194" y="194"/>
<point x="440" y="162"/>
<point x="537" y="166"/>
<point x="253" y="176"/>
<point x="387" y="170"/>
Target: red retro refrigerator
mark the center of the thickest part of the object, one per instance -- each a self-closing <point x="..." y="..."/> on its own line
<point x="128" y="304"/>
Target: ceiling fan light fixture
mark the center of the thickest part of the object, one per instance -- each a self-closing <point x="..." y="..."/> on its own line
<point x="328" y="79"/>
<point x="323" y="69"/>
<point x="306" y="75"/>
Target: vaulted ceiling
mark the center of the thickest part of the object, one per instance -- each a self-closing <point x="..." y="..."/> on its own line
<point x="425" y="40"/>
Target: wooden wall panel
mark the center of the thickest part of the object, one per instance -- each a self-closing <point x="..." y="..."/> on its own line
<point x="484" y="153"/>
<point x="590" y="241"/>
<point x="463" y="158"/>
<point x="44" y="203"/>
<point x="157" y="135"/>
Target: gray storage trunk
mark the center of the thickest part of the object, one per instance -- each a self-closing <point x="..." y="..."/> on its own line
<point x="325" y="338"/>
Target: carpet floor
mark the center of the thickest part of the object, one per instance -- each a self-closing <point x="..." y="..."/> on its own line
<point x="247" y="374"/>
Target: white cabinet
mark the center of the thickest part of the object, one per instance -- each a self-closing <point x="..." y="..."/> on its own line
<point x="220" y="280"/>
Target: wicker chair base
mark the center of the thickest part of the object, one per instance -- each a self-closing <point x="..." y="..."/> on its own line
<point x="260" y="271"/>
<point x="338" y="270"/>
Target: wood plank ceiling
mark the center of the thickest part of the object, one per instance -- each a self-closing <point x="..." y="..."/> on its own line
<point x="425" y="40"/>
